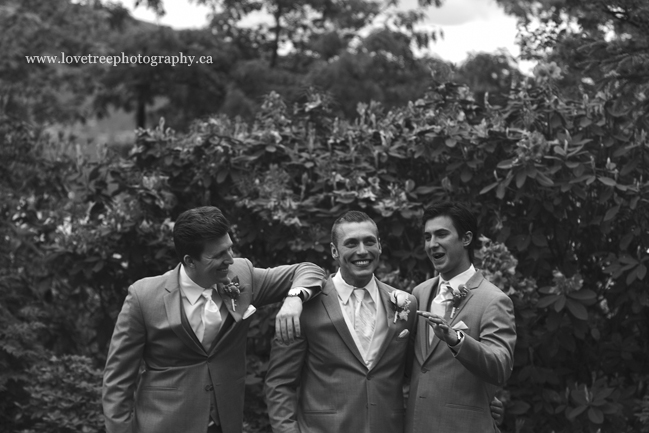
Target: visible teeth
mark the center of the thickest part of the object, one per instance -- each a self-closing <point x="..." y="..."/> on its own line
<point x="362" y="262"/>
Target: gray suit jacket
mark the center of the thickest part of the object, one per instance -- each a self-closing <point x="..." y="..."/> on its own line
<point x="451" y="394"/>
<point x="181" y="382"/>
<point x="320" y="384"/>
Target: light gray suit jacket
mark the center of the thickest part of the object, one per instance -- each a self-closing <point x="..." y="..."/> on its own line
<point x="320" y="383"/>
<point x="181" y="383"/>
<point x="451" y="394"/>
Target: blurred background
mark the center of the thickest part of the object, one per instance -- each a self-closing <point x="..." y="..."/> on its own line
<point x="533" y="112"/>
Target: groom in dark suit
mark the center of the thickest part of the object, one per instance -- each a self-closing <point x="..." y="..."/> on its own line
<point x="187" y="330"/>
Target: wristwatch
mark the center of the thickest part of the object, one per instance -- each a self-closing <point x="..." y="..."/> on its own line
<point x="296" y="293"/>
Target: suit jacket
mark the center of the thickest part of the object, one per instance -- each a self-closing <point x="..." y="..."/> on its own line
<point x="180" y="381"/>
<point x="337" y="391"/>
<point x="450" y="394"/>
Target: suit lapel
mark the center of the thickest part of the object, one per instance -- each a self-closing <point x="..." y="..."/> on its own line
<point x="236" y="314"/>
<point x="335" y="313"/>
<point x="421" y="348"/>
<point x="384" y="294"/>
<point x="173" y="307"/>
<point x="473" y="283"/>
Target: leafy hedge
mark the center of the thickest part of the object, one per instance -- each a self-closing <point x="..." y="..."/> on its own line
<point x="560" y="186"/>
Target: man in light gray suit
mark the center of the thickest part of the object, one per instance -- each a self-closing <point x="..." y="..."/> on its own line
<point x="465" y="336"/>
<point x="345" y="374"/>
<point x="187" y="329"/>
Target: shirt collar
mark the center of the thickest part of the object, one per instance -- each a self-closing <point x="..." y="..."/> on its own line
<point x="189" y="288"/>
<point x="345" y="290"/>
<point x="460" y="279"/>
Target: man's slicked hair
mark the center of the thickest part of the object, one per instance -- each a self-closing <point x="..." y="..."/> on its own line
<point x="352" y="216"/>
<point x="463" y="220"/>
<point x="195" y="227"/>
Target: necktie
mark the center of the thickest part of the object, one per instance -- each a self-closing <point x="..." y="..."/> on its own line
<point x="442" y="305"/>
<point x="211" y="319"/>
<point x="364" y="318"/>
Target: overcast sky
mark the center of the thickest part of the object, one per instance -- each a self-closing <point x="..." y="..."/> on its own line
<point x="468" y="25"/>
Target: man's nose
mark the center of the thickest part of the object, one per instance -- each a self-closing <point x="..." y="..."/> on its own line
<point x="362" y="249"/>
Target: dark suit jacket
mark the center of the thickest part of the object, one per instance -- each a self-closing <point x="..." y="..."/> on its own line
<point x="180" y="380"/>
<point x="337" y="391"/>
<point x="450" y="394"/>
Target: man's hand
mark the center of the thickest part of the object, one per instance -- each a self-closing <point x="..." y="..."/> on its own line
<point x="497" y="409"/>
<point x="441" y="329"/>
<point x="287" y="322"/>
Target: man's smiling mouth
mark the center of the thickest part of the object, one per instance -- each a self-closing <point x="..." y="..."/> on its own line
<point x="362" y="262"/>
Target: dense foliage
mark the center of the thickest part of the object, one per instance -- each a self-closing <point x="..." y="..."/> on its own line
<point x="560" y="186"/>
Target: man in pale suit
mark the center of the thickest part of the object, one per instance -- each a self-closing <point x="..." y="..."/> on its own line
<point x="345" y="374"/>
<point x="464" y="344"/>
<point x="189" y="335"/>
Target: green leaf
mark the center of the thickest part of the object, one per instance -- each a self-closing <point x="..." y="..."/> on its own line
<point x="543" y="179"/>
<point x="521" y="176"/>
<point x="610" y="214"/>
<point x="577" y="309"/>
<point x="575" y="412"/>
<point x="595" y="415"/>
<point x="450" y="142"/>
<point x="607" y="181"/>
<point x="547" y="301"/>
<point x="583" y="295"/>
<point x="518" y="407"/>
<point x="489" y="188"/>
<point x="641" y="272"/>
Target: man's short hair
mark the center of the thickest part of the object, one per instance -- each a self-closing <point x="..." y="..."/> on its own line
<point x="463" y="220"/>
<point x="352" y="216"/>
<point x="195" y="227"/>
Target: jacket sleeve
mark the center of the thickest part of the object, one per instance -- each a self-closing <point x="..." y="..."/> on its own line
<point x="122" y="366"/>
<point x="271" y="285"/>
<point x="282" y="381"/>
<point x="491" y="357"/>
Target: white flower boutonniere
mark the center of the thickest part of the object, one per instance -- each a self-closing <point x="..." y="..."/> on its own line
<point x="232" y="290"/>
<point x="458" y="296"/>
<point x="400" y="302"/>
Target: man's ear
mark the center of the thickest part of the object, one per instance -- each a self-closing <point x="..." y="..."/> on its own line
<point x="188" y="261"/>
<point x="466" y="239"/>
<point x="334" y="251"/>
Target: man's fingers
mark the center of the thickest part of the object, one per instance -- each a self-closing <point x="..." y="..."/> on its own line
<point x="296" y="325"/>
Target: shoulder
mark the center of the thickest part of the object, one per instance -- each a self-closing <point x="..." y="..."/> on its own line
<point x="489" y="292"/>
<point x="424" y="287"/>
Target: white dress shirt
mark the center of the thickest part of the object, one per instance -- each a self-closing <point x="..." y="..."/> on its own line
<point x="193" y="302"/>
<point x="345" y="292"/>
<point x="455" y="283"/>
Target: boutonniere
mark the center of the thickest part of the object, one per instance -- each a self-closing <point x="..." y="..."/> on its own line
<point x="232" y="290"/>
<point x="400" y="303"/>
<point x="458" y="296"/>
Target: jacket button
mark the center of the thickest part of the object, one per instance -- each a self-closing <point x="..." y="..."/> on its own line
<point x="209" y="387"/>
<point x="424" y="370"/>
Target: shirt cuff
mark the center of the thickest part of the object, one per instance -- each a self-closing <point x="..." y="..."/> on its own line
<point x="458" y="346"/>
<point x="306" y="292"/>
